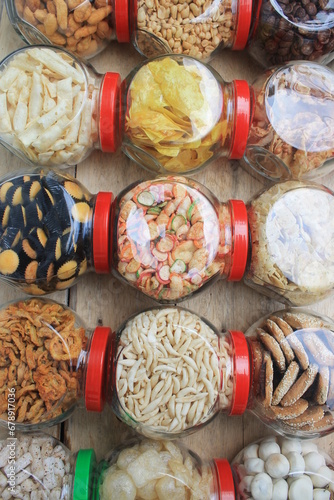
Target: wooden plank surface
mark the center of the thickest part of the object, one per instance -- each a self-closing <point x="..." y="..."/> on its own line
<point x="105" y="300"/>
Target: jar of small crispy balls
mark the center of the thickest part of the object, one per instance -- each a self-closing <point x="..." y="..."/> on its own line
<point x="45" y="469"/>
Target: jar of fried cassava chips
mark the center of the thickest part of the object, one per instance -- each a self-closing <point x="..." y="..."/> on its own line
<point x="171" y="114"/>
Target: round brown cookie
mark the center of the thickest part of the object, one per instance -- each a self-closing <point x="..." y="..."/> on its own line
<point x="330" y="395"/>
<point x="301" y="320"/>
<point x="273" y="347"/>
<point x="321" y="393"/>
<point x="311" y="416"/>
<point x="317" y="349"/>
<point x="279" y="336"/>
<point x="284" y="326"/>
<point x="300" y="386"/>
<point x="285" y="384"/>
<point x="299" y="350"/>
<point x="269" y="379"/>
<point x="289" y="412"/>
<point x="327" y="421"/>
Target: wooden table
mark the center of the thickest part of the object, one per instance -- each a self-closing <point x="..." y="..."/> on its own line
<point x="103" y="299"/>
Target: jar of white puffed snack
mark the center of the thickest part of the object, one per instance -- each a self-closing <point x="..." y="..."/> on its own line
<point x="37" y="466"/>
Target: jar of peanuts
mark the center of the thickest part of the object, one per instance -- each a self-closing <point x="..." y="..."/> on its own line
<point x="169" y="237"/>
<point x="45" y="468"/>
<point x="55" y="110"/>
<point x="50" y="362"/>
<point x="270" y="469"/>
<point x="84" y="27"/>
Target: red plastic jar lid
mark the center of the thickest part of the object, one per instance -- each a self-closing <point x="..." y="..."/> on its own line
<point x="243" y="24"/>
<point x="122" y="20"/>
<point x="225" y="479"/>
<point x="109" y="111"/>
<point x="96" y="379"/>
<point x="240" y="239"/>
<point x="242" y="107"/>
<point x="241" y="373"/>
<point x="101" y="232"/>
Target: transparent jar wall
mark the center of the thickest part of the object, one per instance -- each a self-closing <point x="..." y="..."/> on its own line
<point x="80" y="26"/>
<point x="46" y="231"/>
<point x="144" y="468"/>
<point x="292" y="129"/>
<point x="171" y="238"/>
<point x="196" y="29"/>
<point x="178" y="115"/>
<point x="43" y="360"/>
<point x="49" y="105"/>
<point x="46" y="467"/>
<point x="283" y="468"/>
<point x="284" y="32"/>
<point x="291" y="227"/>
<point x="292" y="388"/>
<point x="173" y="373"/>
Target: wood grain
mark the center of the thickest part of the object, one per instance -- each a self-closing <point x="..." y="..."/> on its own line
<point x="105" y="300"/>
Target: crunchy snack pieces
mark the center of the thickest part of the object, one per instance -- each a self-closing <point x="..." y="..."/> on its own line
<point x="293" y="121"/>
<point x="158" y="470"/>
<point x="172" y="371"/>
<point x="196" y="28"/>
<point x="303" y="393"/>
<point x="48" y="107"/>
<point x="40" y="345"/>
<point x="292" y="230"/>
<point x="43" y="468"/>
<point x="176" y="115"/>
<point x="81" y="26"/>
<point x="45" y="239"/>
<point x="171" y="239"/>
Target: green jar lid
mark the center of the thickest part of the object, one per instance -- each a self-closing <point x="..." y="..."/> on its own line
<point x="83" y="475"/>
<point x="102" y="466"/>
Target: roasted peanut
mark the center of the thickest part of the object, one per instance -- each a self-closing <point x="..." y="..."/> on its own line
<point x="84" y="32"/>
<point x="99" y="15"/>
<point x="83" y="12"/>
<point x="50" y="24"/>
<point x="29" y="16"/>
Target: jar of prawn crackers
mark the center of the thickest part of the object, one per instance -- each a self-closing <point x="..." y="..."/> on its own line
<point x="45" y="469"/>
<point x="49" y="362"/>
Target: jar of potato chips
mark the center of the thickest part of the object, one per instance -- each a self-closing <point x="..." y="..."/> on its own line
<point x="84" y="27"/>
<point x="59" y="362"/>
<point x="45" y="469"/>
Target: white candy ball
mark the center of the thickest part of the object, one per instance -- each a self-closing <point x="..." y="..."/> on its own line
<point x="297" y="463"/>
<point x="322" y="477"/>
<point x="277" y="465"/>
<point x="291" y="445"/>
<point x="308" y="446"/>
<point x="313" y="461"/>
<point x="301" y="489"/>
<point x="254" y="465"/>
<point x="268" y="448"/>
<point x="262" y="487"/>
<point x="251" y="451"/>
<point x="321" y="494"/>
<point x="245" y="484"/>
<point x="280" y="489"/>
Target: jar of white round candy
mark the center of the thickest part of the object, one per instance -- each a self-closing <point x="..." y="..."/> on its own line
<point x="275" y="468"/>
<point x="44" y="469"/>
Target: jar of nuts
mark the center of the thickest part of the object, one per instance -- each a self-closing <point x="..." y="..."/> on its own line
<point x="49" y="362"/>
<point x="270" y="469"/>
<point x="45" y="469"/>
<point x="83" y="27"/>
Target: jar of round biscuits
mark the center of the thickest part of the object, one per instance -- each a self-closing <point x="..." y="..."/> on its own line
<point x="45" y="468"/>
<point x="277" y="468"/>
<point x="293" y="375"/>
<point x="49" y="362"/>
<point x="84" y="27"/>
<point x="173" y="372"/>
<point x="292" y="128"/>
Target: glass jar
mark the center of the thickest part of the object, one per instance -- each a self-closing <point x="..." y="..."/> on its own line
<point x="284" y="31"/>
<point x="49" y="124"/>
<point x="174" y="372"/>
<point x="83" y="27"/>
<point x="277" y="468"/>
<point x="292" y="128"/>
<point x="45" y="468"/>
<point x="49" y="369"/>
